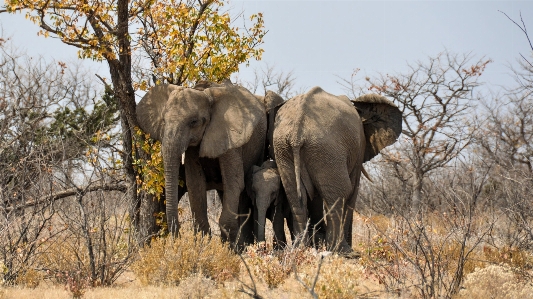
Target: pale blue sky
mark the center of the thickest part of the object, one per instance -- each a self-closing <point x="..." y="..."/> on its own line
<point x="320" y="40"/>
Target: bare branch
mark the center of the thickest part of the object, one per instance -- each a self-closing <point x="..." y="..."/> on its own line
<point x="67" y="193"/>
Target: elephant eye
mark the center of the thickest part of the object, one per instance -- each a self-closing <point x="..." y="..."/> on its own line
<point x="194" y="123"/>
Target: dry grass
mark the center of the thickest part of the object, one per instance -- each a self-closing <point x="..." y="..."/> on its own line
<point x="168" y="261"/>
<point x="191" y="267"/>
<point x="496" y="281"/>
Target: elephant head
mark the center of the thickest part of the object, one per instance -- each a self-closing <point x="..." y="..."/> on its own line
<point x="382" y="122"/>
<point x="213" y="117"/>
<point x="272" y="102"/>
<point x="266" y="188"/>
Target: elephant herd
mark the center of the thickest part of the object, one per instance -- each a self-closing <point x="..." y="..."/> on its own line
<point x="298" y="160"/>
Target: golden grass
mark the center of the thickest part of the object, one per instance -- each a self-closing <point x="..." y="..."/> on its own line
<point x="168" y="261"/>
<point x="193" y="266"/>
<point x="496" y="281"/>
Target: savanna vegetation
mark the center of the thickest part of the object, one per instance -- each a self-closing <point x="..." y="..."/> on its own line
<point x="448" y="211"/>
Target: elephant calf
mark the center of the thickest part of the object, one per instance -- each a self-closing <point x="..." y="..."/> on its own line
<point x="270" y="202"/>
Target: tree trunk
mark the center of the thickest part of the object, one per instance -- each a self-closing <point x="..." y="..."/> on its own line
<point x="143" y="206"/>
<point x="417" y="196"/>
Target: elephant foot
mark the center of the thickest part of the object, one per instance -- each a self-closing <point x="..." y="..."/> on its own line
<point x="205" y="231"/>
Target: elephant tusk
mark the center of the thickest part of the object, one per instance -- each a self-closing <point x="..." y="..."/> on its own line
<point x="363" y="170"/>
<point x="183" y="159"/>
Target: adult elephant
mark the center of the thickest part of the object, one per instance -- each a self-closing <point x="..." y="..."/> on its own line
<point x="221" y="128"/>
<point x="320" y="142"/>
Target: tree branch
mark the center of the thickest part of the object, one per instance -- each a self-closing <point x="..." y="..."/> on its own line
<point x="67" y="193"/>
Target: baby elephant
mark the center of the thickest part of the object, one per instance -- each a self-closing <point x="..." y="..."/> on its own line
<point x="270" y="202"/>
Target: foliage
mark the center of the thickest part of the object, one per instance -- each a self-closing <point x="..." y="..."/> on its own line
<point x="79" y="125"/>
<point x="150" y="172"/>
<point x="168" y="261"/>
<point x="184" y="42"/>
<point x="187" y="41"/>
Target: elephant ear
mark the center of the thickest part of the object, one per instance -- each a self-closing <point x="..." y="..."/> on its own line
<point x="235" y="113"/>
<point x="382" y="122"/>
<point x="151" y="108"/>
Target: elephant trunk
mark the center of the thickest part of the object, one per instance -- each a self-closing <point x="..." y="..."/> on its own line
<point x="261" y="221"/>
<point x="172" y="160"/>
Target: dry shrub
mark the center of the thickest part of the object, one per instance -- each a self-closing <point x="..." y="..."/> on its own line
<point x="274" y="266"/>
<point x="62" y="255"/>
<point x="29" y="278"/>
<point x="337" y="279"/>
<point x="67" y="263"/>
<point x="513" y="257"/>
<point x="424" y="256"/>
<point x="495" y="281"/>
<point x="271" y="270"/>
<point x="451" y="255"/>
<point x="290" y="273"/>
<point x="380" y="222"/>
<point x="168" y="261"/>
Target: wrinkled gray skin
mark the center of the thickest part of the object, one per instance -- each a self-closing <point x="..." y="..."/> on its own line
<point x="320" y="142"/>
<point x="272" y="102"/>
<point x="221" y="128"/>
<point x="270" y="201"/>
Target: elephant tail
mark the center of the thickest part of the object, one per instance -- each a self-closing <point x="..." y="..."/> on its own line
<point x="297" y="170"/>
<point x="363" y="170"/>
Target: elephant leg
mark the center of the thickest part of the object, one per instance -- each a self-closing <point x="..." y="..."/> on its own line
<point x="231" y="167"/>
<point x="335" y="191"/>
<point x="298" y="204"/>
<point x="278" y="224"/>
<point x="288" y="218"/>
<point x="316" y="221"/>
<point x="247" y="214"/>
<point x="196" y="186"/>
<point x="350" y="206"/>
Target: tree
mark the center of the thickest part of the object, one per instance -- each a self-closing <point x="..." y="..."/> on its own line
<point x="507" y="137"/>
<point x="180" y="38"/>
<point x="184" y="45"/>
<point x="435" y="98"/>
<point x="49" y="115"/>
